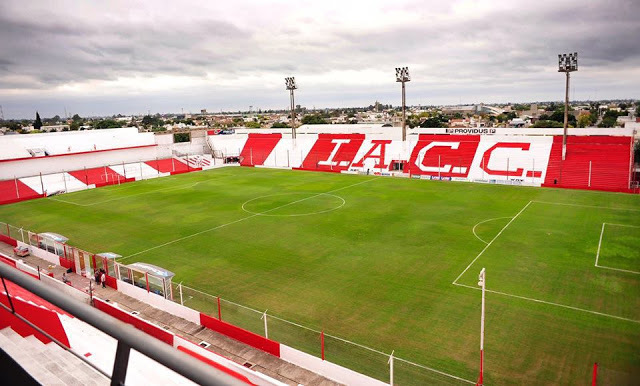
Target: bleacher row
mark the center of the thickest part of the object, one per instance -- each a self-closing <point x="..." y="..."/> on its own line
<point x="27" y="188"/>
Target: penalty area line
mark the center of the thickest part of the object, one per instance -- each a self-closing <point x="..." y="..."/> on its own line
<point x="552" y="304"/>
<point x="491" y="242"/>
<point x="240" y="220"/>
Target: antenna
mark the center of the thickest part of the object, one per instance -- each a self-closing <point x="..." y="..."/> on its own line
<point x="1" y="114"/>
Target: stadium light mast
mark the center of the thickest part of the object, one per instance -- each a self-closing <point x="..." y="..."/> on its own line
<point x="481" y="283"/>
<point x="402" y="76"/>
<point x="567" y="63"/>
<point x="290" y="82"/>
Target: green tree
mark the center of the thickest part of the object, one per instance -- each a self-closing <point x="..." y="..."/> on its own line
<point x="37" y="124"/>
<point x="279" y="125"/>
<point x="107" y="124"/>
<point x="437" y="120"/>
<point x="76" y="118"/>
<point x="181" y="137"/>
<point x="584" y="120"/>
<point x="75" y="125"/>
<point x="548" y="123"/>
<point x="313" y="119"/>
<point x="252" y="125"/>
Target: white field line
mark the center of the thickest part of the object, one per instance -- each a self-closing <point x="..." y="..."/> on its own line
<point x="618" y="269"/>
<point x="240" y="220"/>
<point x="585" y="206"/>
<point x="482" y="222"/>
<point x="491" y="242"/>
<point x="600" y="243"/>
<point x="552" y="303"/>
<point x="147" y="192"/>
<point x="334" y="337"/>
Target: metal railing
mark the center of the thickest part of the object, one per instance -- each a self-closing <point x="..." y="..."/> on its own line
<point x="127" y="336"/>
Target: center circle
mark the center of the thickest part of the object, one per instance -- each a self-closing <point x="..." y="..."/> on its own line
<point x="293" y="204"/>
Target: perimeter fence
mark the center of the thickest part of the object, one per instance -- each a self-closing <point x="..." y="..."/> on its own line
<point x="365" y="360"/>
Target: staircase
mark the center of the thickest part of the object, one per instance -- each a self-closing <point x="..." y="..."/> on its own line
<point x="48" y="364"/>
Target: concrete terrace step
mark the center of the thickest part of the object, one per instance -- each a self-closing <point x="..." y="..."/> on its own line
<point x="48" y="364"/>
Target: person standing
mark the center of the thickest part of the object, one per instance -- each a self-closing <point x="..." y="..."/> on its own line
<point x="103" y="279"/>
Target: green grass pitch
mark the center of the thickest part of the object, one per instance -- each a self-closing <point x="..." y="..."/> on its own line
<point x="390" y="263"/>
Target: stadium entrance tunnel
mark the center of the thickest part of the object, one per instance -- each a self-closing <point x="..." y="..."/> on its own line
<point x="293" y="204"/>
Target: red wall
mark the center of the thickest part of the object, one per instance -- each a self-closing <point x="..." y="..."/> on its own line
<point x="242" y="335"/>
<point x="8" y="240"/>
<point x="138" y="323"/>
<point x="216" y="365"/>
<point x="45" y="319"/>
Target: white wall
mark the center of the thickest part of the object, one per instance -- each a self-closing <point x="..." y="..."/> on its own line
<point x="44" y="255"/>
<point x="48" y="165"/>
<point x="159" y="302"/>
<point x="330" y="370"/>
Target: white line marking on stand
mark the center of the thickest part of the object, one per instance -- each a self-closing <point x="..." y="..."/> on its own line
<point x="552" y="304"/>
<point x="491" y="242"/>
<point x="482" y="222"/>
<point x="585" y="206"/>
<point x="240" y="220"/>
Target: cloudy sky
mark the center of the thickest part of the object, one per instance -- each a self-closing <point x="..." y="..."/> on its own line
<point x="109" y="57"/>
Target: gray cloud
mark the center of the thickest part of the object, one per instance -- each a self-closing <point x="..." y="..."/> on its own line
<point x="455" y="54"/>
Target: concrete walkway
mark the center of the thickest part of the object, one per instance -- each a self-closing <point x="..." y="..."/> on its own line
<point x="220" y="344"/>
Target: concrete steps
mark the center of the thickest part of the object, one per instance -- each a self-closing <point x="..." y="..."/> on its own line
<point x="48" y="364"/>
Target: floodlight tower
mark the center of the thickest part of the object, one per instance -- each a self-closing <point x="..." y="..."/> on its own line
<point x="402" y="76"/>
<point x="290" y="82"/>
<point x="567" y="63"/>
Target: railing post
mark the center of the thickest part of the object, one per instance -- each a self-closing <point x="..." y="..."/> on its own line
<point x="266" y="330"/>
<point x="180" y="288"/>
<point x="219" y="311"/>
<point x="322" y="344"/>
<point x="594" y="379"/>
<point x="15" y="180"/>
<point x="439" y="177"/>
<point x="120" y="364"/>
<point x="39" y="278"/>
<point x="589" y="185"/>
<point x="146" y="278"/>
<point x="6" y="291"/>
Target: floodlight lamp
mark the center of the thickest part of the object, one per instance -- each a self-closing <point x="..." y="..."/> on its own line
<point x="290" y="82"/>
<point x="568" y="62"/>
<point x="402" y="74"/>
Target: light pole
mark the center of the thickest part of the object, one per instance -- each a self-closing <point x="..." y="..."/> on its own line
<point x="291" y="85"/>
<point x="481" y="283"/>
<point x="402" y="76"/>
<point x="567" y="63"/>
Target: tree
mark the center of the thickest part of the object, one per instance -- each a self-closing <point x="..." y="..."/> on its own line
<point x="107" y="124"/>
<point x="437" y="120"/>
<point x="37" y="124"/>
<point x="252" y="125"/>
<point x="584" y="120"/>
<point x="76" y="118"/>
<point x="279" y="125"/>
<point x="548" y="123"/>
<point x="75" y="125"/>
<point x="313" y="119"/>
<point x="181" y="137"/>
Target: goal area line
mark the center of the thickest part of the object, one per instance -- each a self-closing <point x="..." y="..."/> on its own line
<point x="600" y="245"/>
<point x="455" y="282"/>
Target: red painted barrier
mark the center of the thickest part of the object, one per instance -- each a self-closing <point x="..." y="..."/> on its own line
<point x="216" y="365"/>
<point x="242" y="335"/>
<point x="138" y="323"/>
<point x="8" y="240"/>
<point x="8" y="261"/>
<point x="111" y="281"/>
<point x="45" y="319"/>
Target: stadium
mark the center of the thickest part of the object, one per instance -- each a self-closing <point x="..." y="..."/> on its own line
<point x="338" y="254"/>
